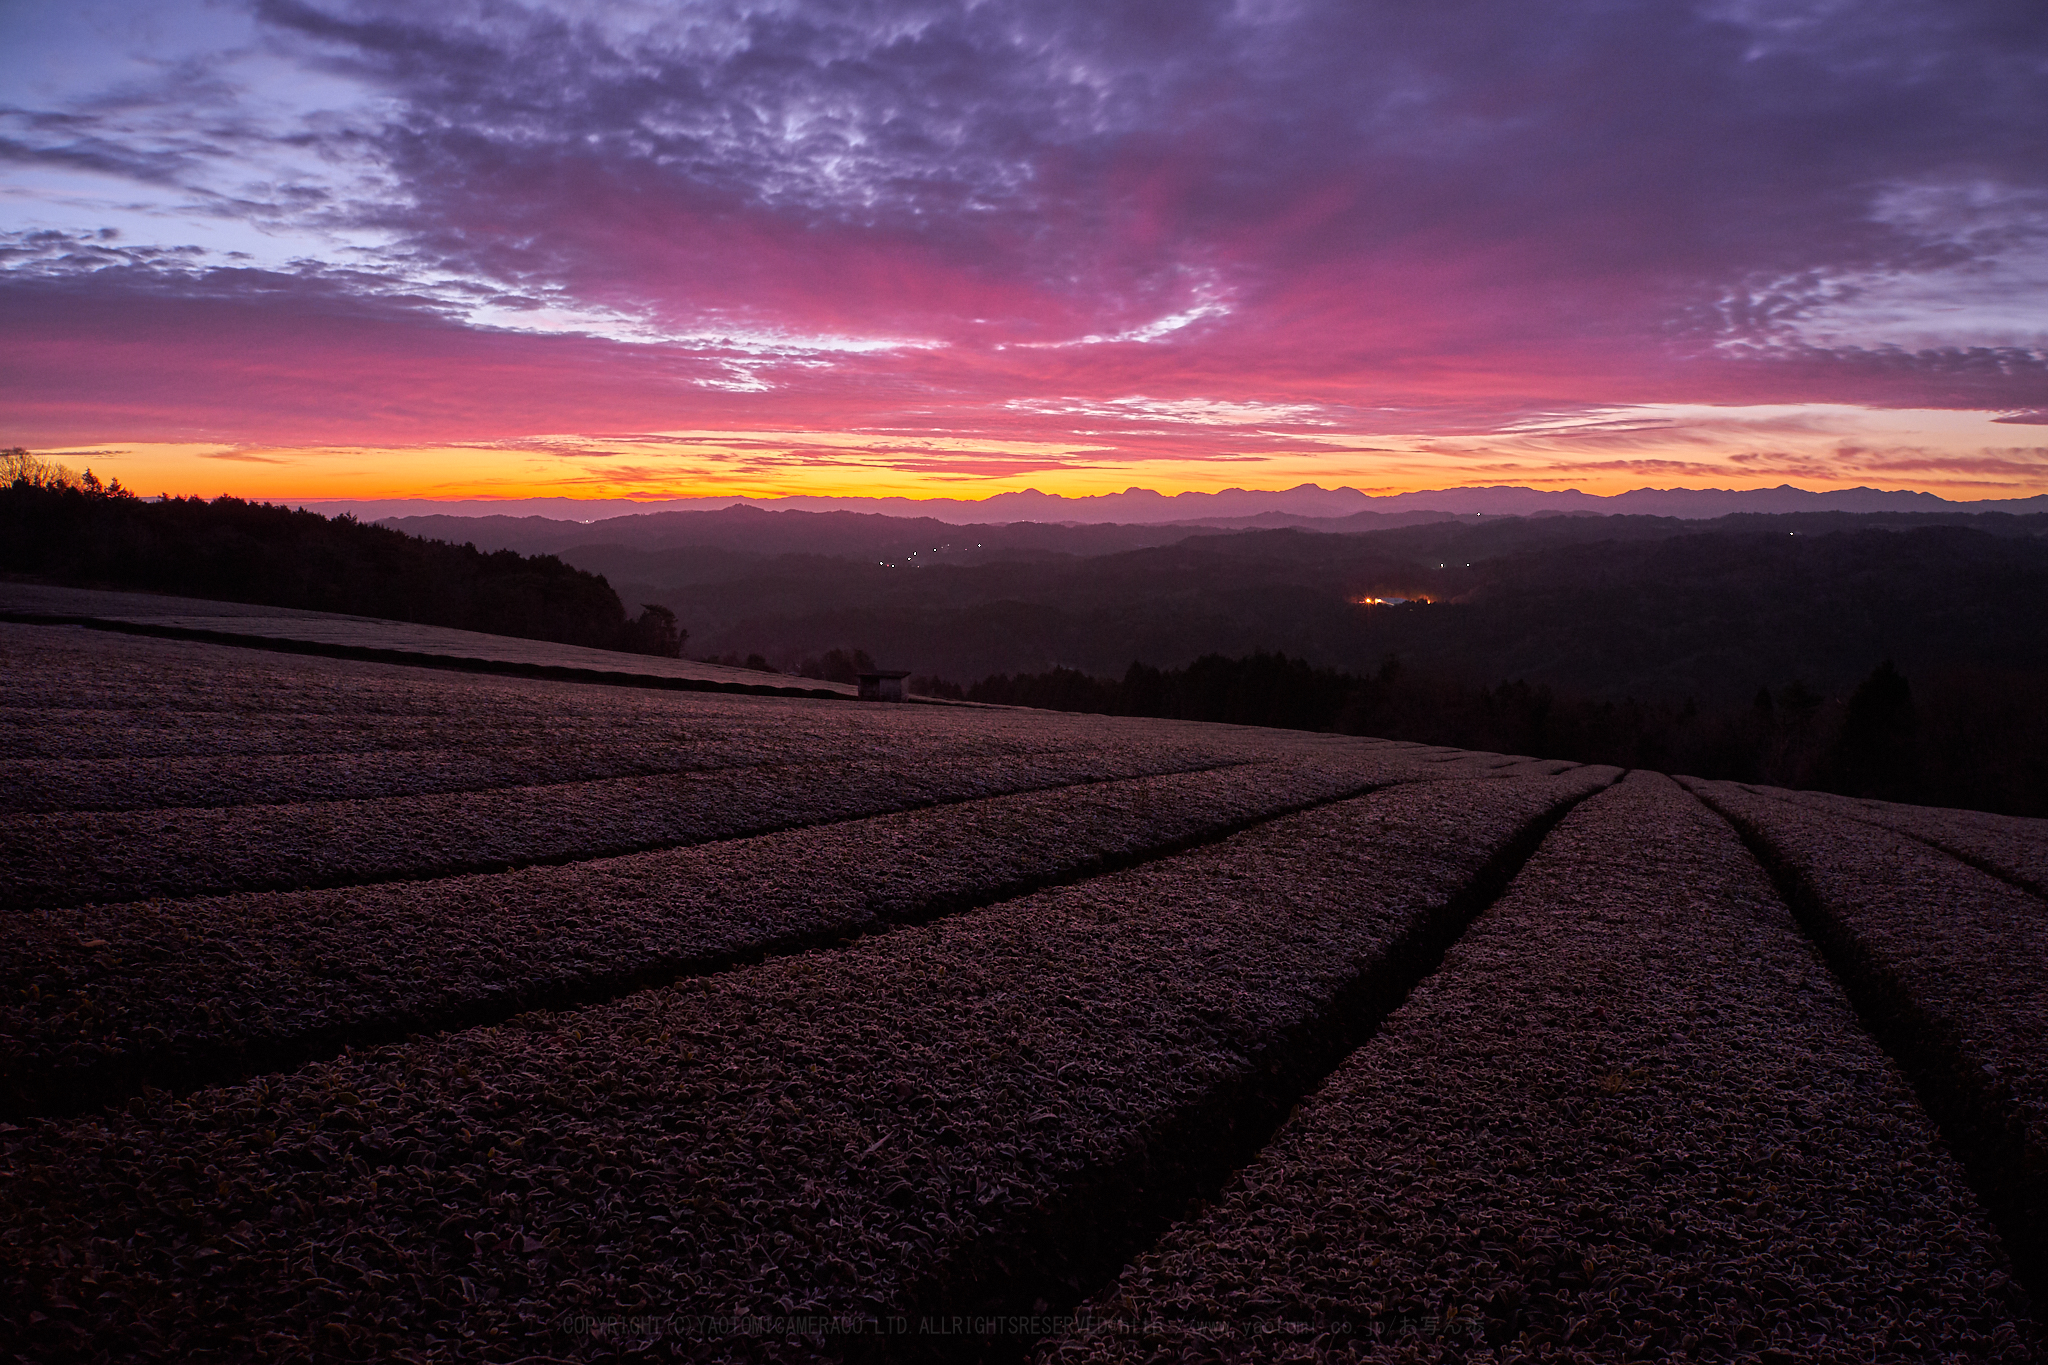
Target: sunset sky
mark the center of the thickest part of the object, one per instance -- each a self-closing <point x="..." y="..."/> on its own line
<point x="364" y="248"/>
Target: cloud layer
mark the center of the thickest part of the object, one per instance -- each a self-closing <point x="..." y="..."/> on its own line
<point x="1132" y="233"/>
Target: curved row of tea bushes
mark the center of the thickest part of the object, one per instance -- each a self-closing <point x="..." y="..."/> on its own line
<point x="39" y="785"/>
<point x="115" y="732"/>
<point x="1949" y="966"/>
<point x="971" y="1114"/>
<point x="95" y="1002"/>
<point x="593" y="748"/>
<point x="72" y="692"/>
<point x="2013" y="847"/>
<point x="79" y="858"/>
<point x="597" y="752"/>
<point x="1631" y="1117"/>
<point x="72" y="695"/>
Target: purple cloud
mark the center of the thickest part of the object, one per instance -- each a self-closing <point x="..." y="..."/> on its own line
<point x="846" y="212"/>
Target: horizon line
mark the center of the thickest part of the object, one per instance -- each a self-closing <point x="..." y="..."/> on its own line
<point x="1675" y="489"/>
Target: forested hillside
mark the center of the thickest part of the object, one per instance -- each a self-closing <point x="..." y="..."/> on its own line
<point x="1971" y="738"/>
<point x="1611" y="607"/>
<point x="77" y="531"/>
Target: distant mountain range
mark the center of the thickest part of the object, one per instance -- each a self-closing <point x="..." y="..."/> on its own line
<point x="1232" y="507"/>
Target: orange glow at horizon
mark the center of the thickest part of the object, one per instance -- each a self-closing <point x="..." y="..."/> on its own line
<point x="1963" y="456"/>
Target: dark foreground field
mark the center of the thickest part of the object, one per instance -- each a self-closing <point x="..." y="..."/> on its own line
<point x="356" y="1010"/>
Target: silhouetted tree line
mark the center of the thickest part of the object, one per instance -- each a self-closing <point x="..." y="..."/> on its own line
<point x="1967" y="738"/>
<point x="837" y="665"/>
<point x="70" y="529"/>
<point x="732" y="659"/>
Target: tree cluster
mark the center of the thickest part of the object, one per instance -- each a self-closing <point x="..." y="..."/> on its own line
<point x="73" y="529"/>
<point x="838" y="665"/>
<point x="1968" y="738"/>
